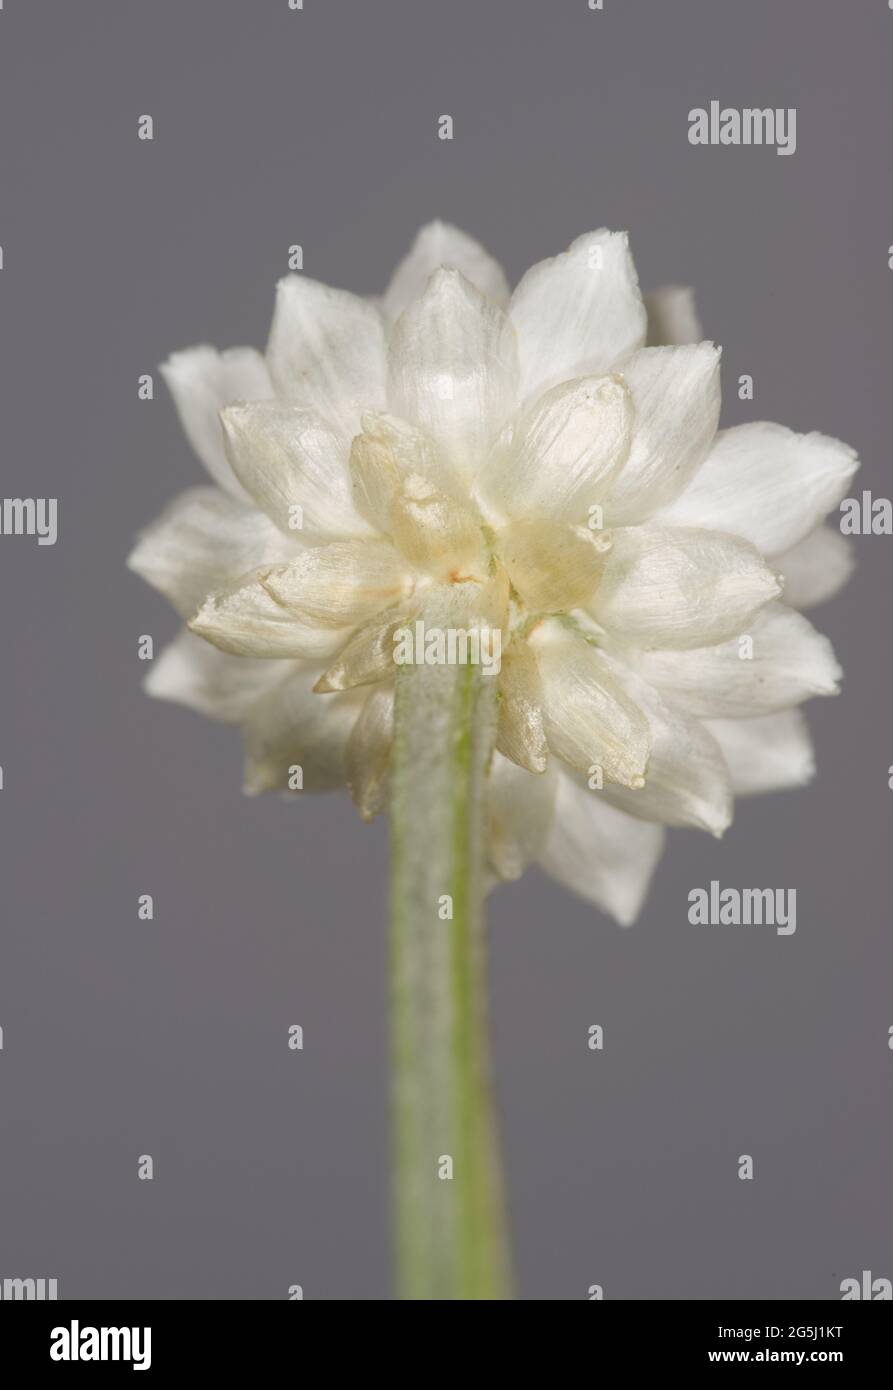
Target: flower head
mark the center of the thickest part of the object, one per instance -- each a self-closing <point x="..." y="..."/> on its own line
<point x="544" y="464"/>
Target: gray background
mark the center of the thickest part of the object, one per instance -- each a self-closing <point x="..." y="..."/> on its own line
<point x="169" y="1038"/>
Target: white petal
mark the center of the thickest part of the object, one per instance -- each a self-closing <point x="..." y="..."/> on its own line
<point x="294" y="467"/>
<point x="368" y="657"/>
<point x="327" y="352"/>
<point x="680" y="587"/>
<point x="435" y="533"/>
<point x="439" y="244"/>
<point x="201" y="541"/>
<point x="293" y="727"/>
<point x="676" y="399"/>
<point x="191" y="672"/>
<point x="687" y="782"/>
<point x="766" y="754"/>
<point x="202" y="381"/>
<point x="789" y="662"/>
<point x="381" y="457"/>
<point x="368" y="754"/>
<point x="553" y="567"/>
<point x="563" y="454"/>
<point x="492" y="598"/>
<point x="816" y="567"/>
<point x="672" y="317"/>
<point x="453" y="369"/>
<point x="578" y="314"/>
<point x="245" y="620"/>
<point x="520" y="807"/>
<point x="521" y="735"/>
<point x="339" y="585"/>
<point x="589" y="719"/>
<point x="766" y="483"/>
<point x="606" y="857"/>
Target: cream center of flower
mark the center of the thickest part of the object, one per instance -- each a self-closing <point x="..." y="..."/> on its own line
<point x="543" y="565"/>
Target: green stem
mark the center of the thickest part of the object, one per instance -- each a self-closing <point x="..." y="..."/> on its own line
<point x="450" y="1229"/>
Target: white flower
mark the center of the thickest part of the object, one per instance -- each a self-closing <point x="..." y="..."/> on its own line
<point x="533" y="457"/>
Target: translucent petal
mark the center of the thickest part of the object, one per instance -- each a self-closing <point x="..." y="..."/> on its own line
<point x="202" y="541"/>
<point x="779" y="661"/>
<point x="439" y="244"/>
<point x="293" y="728"/>
<point x="520" y="808"/>
<point x="676" y="399"/>
<point x="766" y="483"/>
<point x="589" y="719"/>
<point x="816" y="568"/>
<point x="245" y="620"/>
<point x="521" y="735"/>
<point x="380" y="458"/>
<point x="766" y="754"/>
<point x="563" y="454"/>
<point x="327" y="352"/>
<point x="295" y="468"/>
<point x="553" y="567"/>
<point x="202" y="381"/>
<point x="453" y="369"/>
<point x="191" y="672"/>
<point x="435" y="533"/>
<point x="680" y="587"/>
<point x="578" y="314"/>
<point x="687" y="782"/>
<point x="368" y="657"/>
<point x="600" y="853"/>
<point x="339" y="585"/>
<point x="368" y="754"/>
